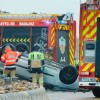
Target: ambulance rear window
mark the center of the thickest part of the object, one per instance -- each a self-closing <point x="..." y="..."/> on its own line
<point x="90" y="46"/>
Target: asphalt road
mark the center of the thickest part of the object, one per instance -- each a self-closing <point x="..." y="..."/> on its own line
<point x="71" y="96"/>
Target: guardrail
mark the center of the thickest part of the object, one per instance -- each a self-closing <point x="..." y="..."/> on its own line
<point x="37" y="94"/>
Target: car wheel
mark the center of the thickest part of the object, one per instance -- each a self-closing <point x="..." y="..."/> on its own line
<point x="22" y="47"/>
<point x="3" y="48"/>
<point x="68" y="75"/>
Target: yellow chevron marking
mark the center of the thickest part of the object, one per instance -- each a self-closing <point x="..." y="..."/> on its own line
<point x="52" y="30"/>
<point x="6" y="39"/>
<point x="71" y="48"/>
<point x="3" y="39"/>
<point x="21" y="40"/>
<point x="93" y="31"/>
<point x="72" y="57"/>
<point x="84" y="21"/>
<point x="90" y="16"/>
<point x="10" y="39"/>
<point x="28" y="40"/>
<point x="71" y="41"/>
<point x="52" y="37"/>
<point x="71" y="61"/>
<point x="93" y="69"/>
<point x="71" y="52"/>
<point x="17" y="40"/>
<point x="52" y="43"/>
<point x="63" y="27"/>
<point x="67" y="27"/>
<point x="25" y="40"/>
<point x="87" y="66"/>
<point x="96" y="18"/>
<point x="81" y="63"/>
<point x="94" y="21"/>
<point x="95" y="38"/>
<point x="13" y="39"/>
<point x="71" y="35"/>
<point x="85" y="30"/>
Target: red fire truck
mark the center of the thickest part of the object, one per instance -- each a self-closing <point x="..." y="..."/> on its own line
<point x="89" y="46"/>
<point x="24" y="31"/>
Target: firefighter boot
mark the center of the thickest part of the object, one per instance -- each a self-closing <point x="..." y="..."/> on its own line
<point x="34" y="80"/>
<point x="41" y="80"/>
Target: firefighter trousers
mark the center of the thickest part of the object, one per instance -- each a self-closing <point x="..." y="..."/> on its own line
<point x="37" y="79"/>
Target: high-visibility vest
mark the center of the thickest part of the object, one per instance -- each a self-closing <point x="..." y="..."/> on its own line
<point x="36" y="58"/>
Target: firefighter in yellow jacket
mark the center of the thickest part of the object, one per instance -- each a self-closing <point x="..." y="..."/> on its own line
<point x="35" y="62"/>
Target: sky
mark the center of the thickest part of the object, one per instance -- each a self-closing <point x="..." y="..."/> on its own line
<point x="43" y="6"/>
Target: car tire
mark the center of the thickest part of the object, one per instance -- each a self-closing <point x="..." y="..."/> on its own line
<point x="96" y="92"/>
<point x="22" y="47"/>
<point x="68" y="75"/>
<point x="3" y="47"/>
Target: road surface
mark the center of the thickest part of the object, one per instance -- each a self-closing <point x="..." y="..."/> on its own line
<point x="71" y="95"/>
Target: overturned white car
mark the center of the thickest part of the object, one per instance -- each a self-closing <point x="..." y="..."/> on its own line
<point x="56" y="76"/>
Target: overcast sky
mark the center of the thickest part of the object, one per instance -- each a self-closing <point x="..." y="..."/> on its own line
<point x="42" y="6"/>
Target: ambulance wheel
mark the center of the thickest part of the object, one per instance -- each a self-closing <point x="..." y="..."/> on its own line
<point x="22" y="47"/>
<point x="68" y="75"/>
<point x="96" y="92"/>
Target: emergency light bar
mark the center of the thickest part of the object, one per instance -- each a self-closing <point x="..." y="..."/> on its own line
<point x="62" y="22"/>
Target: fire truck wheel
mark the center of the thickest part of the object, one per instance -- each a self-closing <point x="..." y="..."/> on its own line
<point x="68" y="75"/>
<point x="22" y="47"/>
<point x="96" y="92"/>
<point x="3" y="47"/>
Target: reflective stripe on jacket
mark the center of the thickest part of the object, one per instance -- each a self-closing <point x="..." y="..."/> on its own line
<point x="36" y="56"/>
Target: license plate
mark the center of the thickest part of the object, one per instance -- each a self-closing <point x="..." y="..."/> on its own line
<point x="87" y="79"/>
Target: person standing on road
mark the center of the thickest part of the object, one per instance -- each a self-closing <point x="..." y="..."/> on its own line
<point x="35" y="62"/>
<point x="10" y="58"/>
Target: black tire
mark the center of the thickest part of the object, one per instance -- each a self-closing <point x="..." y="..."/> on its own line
<point x="96" y="92"/>
<point x="22" y="47"/>
<point x="68" y="75"/>
<point x="3" y="47"/>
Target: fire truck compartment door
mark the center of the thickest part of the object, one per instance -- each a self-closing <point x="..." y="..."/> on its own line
<point x="62" y="51"/>
<point x="89" y="51"/>
<point x="97" y="58"/>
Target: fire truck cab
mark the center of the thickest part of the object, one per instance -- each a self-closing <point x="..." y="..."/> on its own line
<point x="89" y="46"/>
